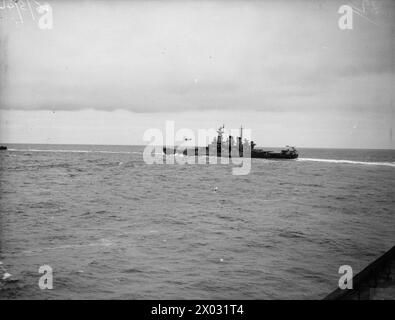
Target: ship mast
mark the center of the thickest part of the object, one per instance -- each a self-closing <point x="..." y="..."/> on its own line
<point x="220" y="132"/>
<point x="240" y="142"/>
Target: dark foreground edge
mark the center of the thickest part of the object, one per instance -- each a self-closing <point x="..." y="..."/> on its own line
<point x="144" y="309"/>
<point x="376" y="281"/>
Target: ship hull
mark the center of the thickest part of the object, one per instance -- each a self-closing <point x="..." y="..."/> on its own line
<point x="274" y="155"/>
<point x="255" y="154"/>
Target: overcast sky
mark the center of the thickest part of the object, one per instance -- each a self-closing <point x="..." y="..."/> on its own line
<point x="108" y="71"/>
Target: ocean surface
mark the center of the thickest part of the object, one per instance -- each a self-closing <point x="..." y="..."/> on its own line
<point x="112" y="226"/>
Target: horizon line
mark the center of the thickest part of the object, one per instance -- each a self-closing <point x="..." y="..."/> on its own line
<point x="144" y="145"/>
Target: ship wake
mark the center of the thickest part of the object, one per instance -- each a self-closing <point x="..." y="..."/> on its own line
<point x="74" y="151"/>
<point x="387" y="164"/>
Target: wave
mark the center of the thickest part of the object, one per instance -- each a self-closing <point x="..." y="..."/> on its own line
<point x="100" y="243"/>
<point x="74" y="151"/>
<point x="388" y="164"/>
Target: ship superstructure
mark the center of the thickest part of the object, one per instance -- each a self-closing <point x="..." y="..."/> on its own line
<point x="230" y="148"/>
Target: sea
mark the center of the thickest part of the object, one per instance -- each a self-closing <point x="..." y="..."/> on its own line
<point x="111" y="226"/>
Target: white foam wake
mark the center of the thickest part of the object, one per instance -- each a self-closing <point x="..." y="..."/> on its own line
<point x="388" y="164"/>
<point x="73" y="151"/>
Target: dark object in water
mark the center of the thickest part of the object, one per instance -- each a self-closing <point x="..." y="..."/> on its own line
<point x="167" y="150"/>
<point x="229" y="149"/>
<point x="289" y="153"/>
<point x="376" y="281"/>
<point x="3" y="148"/>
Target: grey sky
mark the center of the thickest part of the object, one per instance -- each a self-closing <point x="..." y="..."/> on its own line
<point x="172" y="60"/>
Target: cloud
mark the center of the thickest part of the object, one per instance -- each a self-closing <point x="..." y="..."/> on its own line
<point x="165" y="57"/>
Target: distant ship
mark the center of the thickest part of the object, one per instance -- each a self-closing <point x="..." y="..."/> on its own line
<point x="3" y="148"/>
<point x="221" y="148"/>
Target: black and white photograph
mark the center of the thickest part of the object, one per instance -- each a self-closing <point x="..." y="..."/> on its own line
<point x="197" y="150"/>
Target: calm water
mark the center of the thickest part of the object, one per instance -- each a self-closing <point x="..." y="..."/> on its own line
<point x="111" y="226"/>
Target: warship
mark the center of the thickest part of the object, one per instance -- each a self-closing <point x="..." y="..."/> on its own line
<point x="221" y="148"/>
